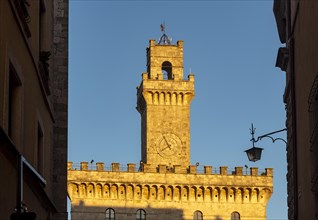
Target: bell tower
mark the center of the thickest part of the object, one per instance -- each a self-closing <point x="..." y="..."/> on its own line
<point x="163" y="101"/>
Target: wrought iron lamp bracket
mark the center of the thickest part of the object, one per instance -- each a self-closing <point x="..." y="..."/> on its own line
<point x="268" y="135"/>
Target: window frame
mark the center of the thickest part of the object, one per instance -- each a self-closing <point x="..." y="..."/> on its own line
<point x="110" y="214"/>
<point x="166" y="68"/>
<point x="197" y="215"/>
<point x="235" y="215"/>
<point x="14" y="102"/>
<point x="141" y="214"/>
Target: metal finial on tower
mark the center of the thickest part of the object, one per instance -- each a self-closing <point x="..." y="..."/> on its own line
<point x="162" y="27"/>
<point x="164" y="39"/>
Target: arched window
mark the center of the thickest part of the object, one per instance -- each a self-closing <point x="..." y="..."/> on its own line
<point x="141" y="214"/>
<point x="235" y="216"/>
<point x="197" y="215"/>
<point x="167" y="70"/>
<point x="110" y="214"/>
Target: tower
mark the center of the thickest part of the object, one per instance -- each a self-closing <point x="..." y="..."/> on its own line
<point x="163" y="101"/>
<point x="166" y="185"/>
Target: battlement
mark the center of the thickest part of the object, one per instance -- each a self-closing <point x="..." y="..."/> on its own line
<point x="148" y="168"/>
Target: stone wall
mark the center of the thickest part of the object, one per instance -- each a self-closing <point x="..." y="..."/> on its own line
<point x="60" y="106"/>
<point x="163" y="191"/>
<point x="298" y="58"/>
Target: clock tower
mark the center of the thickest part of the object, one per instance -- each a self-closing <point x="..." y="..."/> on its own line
<point x="165" y="185"/>
<point x="163" y="101"/>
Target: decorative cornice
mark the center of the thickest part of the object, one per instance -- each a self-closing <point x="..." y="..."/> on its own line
<point x="167" y="192"/>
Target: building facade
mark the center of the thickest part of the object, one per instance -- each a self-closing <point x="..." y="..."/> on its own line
<point x="165" y="185"/>
<point x="33" y="108"/>
<point x="297" y="27"/>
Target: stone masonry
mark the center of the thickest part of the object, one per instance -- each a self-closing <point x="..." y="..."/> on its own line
<point x="168" y="194"/>
<point x="60" y="105"/>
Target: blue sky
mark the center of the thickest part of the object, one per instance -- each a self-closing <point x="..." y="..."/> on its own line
<point x="231" y="48"/>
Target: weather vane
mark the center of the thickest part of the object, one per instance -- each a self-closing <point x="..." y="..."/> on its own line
<point x="164" y="39"/>
<point x="162" y="27"/>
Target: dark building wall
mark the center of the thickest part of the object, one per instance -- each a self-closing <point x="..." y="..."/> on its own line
<point x="297" y="21"/>
<point x="32" y="86"/>
<point x="60" y="106"/>
<point x="306" y="70"/>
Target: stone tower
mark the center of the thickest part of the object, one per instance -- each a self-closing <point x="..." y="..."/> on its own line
<point x="163" y="101"/>
<point x="165" y="185"/>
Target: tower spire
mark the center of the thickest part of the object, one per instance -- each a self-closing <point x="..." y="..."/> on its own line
<point x="164" y="39"/>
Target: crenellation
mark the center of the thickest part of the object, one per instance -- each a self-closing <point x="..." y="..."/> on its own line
<point x="152" y="42"/>
<point x="177" y="169"/>
<point x="268" y="171"/>
<point x="254" y="171"/>
<point x="238" y="170"/>
<point x="131" y="167"/>
<point x="162" y="168"/>
<point x="223" y="170"/>
<point x="207" y="169"/>
<point x="100" y="166"/>
<point x="193" y="169"/>
<point x="69" y="165"/>
<point x="180" y="43"/>
<point x="84" y="165"/>
<point x="115" y="167"/>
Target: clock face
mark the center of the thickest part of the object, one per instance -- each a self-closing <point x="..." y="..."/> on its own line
<point x="168" y="145"/>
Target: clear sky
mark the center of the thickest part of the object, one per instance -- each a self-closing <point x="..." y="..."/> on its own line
<point x="231" y="48"/>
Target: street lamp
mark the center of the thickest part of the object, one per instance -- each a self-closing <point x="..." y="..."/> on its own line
<point x="254" y="154"/>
